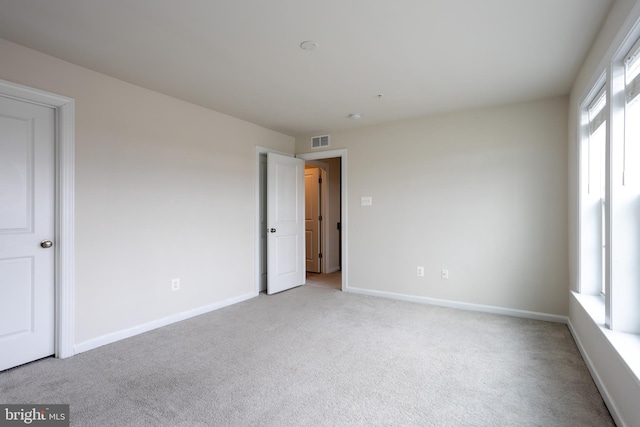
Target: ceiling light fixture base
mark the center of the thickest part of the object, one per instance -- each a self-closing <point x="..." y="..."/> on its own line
<point x="309" y="45"/>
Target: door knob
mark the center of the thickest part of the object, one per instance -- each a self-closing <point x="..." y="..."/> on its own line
<point x="273" y="230"/>
<point x="46" y="244"/>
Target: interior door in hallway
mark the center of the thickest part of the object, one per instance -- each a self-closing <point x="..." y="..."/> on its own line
<point x="285" y="222"/>
<point x="313" y="219"/>
<point x="27" y="144"/>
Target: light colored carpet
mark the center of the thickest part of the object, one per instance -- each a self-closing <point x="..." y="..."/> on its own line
<point x="316" y="356"/>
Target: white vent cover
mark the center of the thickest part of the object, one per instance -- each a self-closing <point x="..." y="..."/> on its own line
<point x="320" y="141"/>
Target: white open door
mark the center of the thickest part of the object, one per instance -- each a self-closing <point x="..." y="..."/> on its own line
<point x="285" y="223"/>
<point x="27" y="177"/>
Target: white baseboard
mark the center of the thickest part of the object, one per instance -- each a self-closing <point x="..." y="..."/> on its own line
<point x="462" y="305"/>
<point x="604" y="392"/>
<point x="146" y="327"/>
<point x="333" y="270"/>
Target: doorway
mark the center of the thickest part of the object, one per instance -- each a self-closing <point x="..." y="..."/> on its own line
<point x="323" y="222"/>
<point x="335" y="260"/>
<point x="336" y="241"/>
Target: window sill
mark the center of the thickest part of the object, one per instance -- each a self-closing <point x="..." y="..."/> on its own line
<point x="626" y="345"/>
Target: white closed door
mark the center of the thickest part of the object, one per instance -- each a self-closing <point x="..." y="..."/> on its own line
<point x="285" y="223"/>
<point x="312" y="219"/>
<point x="27" y="144"/>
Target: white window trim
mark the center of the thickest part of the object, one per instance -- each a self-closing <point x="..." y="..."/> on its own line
<point x="626" y="345"/>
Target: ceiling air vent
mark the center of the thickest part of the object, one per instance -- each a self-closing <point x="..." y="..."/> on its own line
<point x="320" y="141"/>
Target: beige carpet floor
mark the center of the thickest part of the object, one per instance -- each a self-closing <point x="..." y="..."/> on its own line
<point x="315" y="356"/>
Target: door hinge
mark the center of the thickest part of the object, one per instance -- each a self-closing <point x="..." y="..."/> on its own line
<point x="320" y="180"/>
<point x="320" y="218"/>
<point x="320" y="256"/>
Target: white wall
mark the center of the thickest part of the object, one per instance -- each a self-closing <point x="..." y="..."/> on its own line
<point x="482" y="193"/>
<point x="164" y="189"/>
<point x="617" y="383"/>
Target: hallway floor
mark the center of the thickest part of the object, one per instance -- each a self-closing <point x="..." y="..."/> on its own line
<point x="331" y="280"/>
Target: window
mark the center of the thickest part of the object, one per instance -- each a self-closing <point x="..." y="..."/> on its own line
<point x="610" y="191"/>
<point x="593" y="199"/>
<point x="632" y="113"/>
<point x="597" y="115"/>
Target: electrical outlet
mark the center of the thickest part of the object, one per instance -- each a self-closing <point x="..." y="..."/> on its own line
<point x="445" y="273"/>
<point x="420" y="271"/>
<point x="175" y="284"/>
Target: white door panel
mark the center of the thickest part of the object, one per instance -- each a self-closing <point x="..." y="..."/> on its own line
<point x="15" y="177"/>
<point x="16" y="320"/>
<point x="27" y="137"/>
<point x="286" y="254"/>
<point x="312" y="219"/>
<point x="285" y="219"/>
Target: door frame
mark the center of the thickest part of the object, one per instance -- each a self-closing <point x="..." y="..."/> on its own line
<point x="342" y="154"/>
<point x="64" y="207"/>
